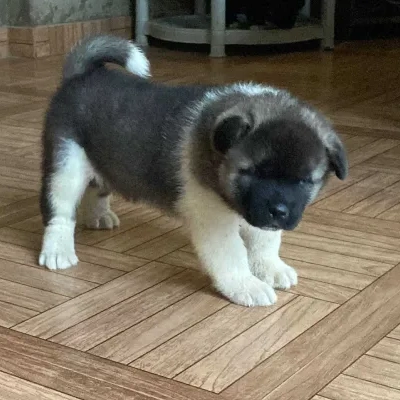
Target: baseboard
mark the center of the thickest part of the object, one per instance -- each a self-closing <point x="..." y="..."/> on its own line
<point x="4" y="50"/>
<point x="49" y="40"/>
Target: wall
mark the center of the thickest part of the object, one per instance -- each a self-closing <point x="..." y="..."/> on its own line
<point x="3" y="12"/>
<point x="43" y="12"/>
<point x="39" y="28"/>
<point x="18" y="12"/>
<point x="47" y="12"/>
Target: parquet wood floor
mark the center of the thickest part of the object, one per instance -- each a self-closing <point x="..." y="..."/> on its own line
<point x="138" y="320"/>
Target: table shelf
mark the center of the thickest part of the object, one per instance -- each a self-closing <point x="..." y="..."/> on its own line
<point x="204" y="29"/>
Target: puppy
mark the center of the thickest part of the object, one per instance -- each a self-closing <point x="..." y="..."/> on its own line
<point x="239" y="163"/>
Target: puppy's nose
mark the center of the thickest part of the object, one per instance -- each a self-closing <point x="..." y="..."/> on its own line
<point x="279" y="212"/>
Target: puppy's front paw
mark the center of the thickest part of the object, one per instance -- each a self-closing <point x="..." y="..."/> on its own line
<point x="58" y="260"/>
<point x="274" y="272"/>
<point x="247" y="291"/>
<point x="109" y="220"/>
<point x="58" y="250"/>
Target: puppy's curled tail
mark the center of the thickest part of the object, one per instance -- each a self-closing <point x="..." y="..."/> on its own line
<point x="94" y="51"/>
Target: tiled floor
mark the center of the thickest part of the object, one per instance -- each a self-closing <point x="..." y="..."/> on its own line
<point x="137" y="319"/>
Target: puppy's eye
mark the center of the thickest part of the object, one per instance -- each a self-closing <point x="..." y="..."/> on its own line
<point x="246" y="171"/>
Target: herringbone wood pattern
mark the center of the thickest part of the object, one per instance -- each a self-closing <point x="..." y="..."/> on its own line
<point x="138" y="320"/>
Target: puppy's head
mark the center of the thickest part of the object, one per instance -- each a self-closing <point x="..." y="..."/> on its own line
<point x="272" y="165"/>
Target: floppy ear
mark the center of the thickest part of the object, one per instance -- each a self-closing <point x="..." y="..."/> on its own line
<point x="228" y="132"/>
<point x="337" y="156"/>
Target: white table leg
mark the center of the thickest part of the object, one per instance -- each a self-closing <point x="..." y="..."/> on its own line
<point x="217" y="28"/>
<point x="328" y="23"/>
<point x="142" y="17"/>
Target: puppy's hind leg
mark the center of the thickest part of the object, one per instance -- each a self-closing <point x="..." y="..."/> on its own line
<point x="96" y="210"/>
<point x="67" y="172"/>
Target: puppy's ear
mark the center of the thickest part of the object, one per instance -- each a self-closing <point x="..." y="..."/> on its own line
<point x="228" y="132"/>
<point x="337" y="156"/>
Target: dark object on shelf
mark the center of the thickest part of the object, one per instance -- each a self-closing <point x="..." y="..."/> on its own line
<point x="366" y="18"/>
<point x="282" y="13"/>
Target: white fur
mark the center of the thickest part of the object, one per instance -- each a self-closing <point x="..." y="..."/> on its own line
<point x="214" y="230"/>
<point x="137" y="63"/>
<point x="246" y="88"/>
<point x="58" y="249"/>
<point x="263" y="255"/>
<point x="215" y="235"/>
<point x="67" y="185"/>
<point x="97" y="213"/>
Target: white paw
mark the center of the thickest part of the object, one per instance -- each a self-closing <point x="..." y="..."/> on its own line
<point x="247" y="291"/>
<point x="58" y="250"/>
<point x="285" y="277"/>
<point x="275" y="272"/>
<point x="109" y="220"/>
<point x="61" y="260"/>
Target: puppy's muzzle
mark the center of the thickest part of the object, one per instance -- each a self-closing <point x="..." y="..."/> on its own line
<point x="279" y="213"/>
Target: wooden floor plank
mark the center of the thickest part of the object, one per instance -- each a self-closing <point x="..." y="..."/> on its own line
<point x="326" y="349"/>
<point x="356" y="142"/>
<point x="384" y="164"/>
<point x="387" y="349"/>
<point x="83" y="375"/>
<point x="371" y="150"/>
<point x="29" y="297"/>
<point x="182" y="258"/>
<point x="360" y="190"/>
<point x="80" y="308"/>
<point x="319" y="398"/>
<point x="120" y="317"/>
<point x="347" y="388"/>
<point x="323" y="291"/>
<point x="13" y="194"/>
<point x="376" y="204"/>
<point x="335" y="260"/>
<point x="337" y="246"/>
<point x="354" y="222"/>
<point x="350" y="235"/>
<point x="158" y="329"/>
<point x="376" y="370"/>
<point x="43" y="279"/>
<point x="33" y="224"/>
<point x="391" y="214"/>
<point x="336" y="276"/>
<point x="239" y="356"/>
<point x="333" y="186"/>
<point x="13" y="388"/>
<point x="19" y="210"/>
<point x="10" y="314"/>
<point x="395" y="334"/>
<point x="161" y="246"/>
<point x="181" y="352"/>
<point x="139" y="235"/>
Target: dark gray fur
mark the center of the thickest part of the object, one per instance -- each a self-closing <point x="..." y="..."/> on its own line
<point x="132" y="131"/>
<point x="129" y="128"/>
